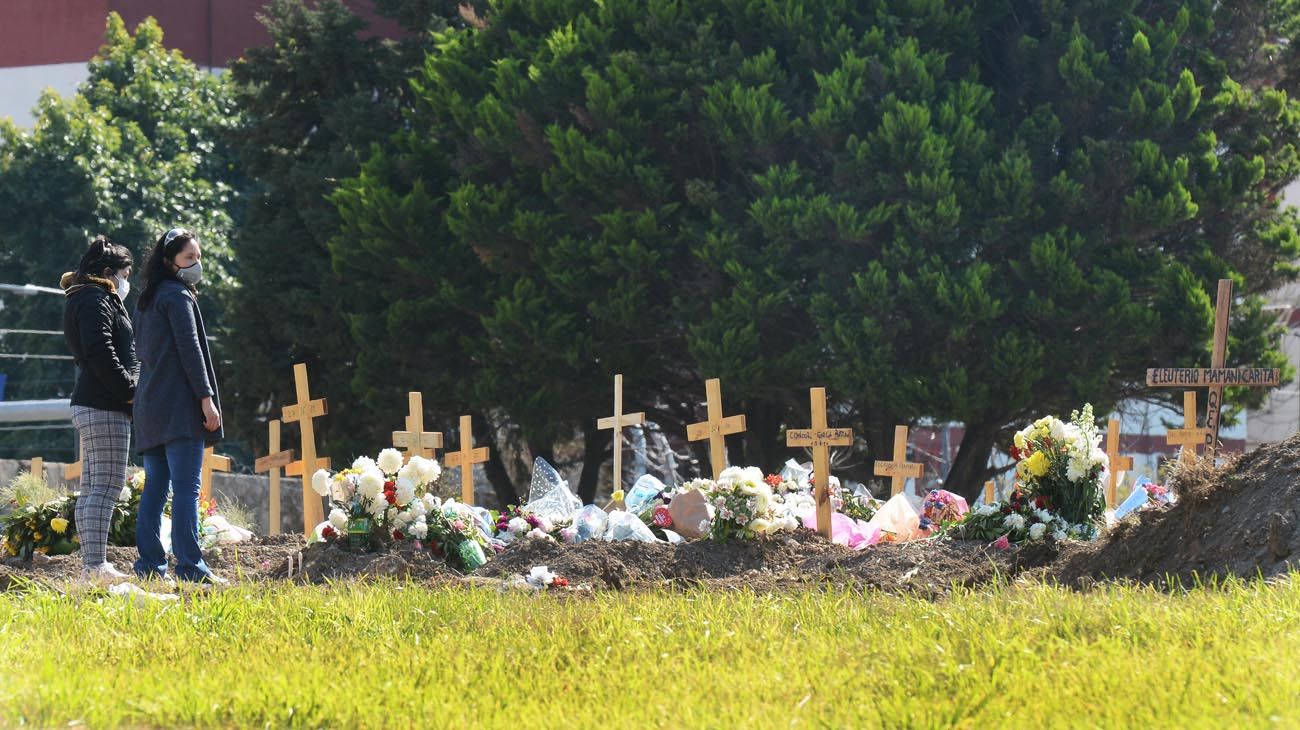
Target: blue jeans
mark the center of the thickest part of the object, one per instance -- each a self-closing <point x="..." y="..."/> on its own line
<point x="175" y="465"/>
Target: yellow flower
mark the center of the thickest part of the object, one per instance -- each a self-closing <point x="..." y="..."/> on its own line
<point x="618" y="495"/>
<point x="59" y="525"/>
<point x="1037" y="464"/>
<point x="36" y="536"/>
<point x="1020" y="441"/>
<point x="43" y="550"/>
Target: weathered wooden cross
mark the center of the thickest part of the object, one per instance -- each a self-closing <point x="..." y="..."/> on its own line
<point x="1189" y="436"/>
<point x="1215" y="377"/>
<point x="716" y="428"/>
<point x="618" y="422"/>
<point x="820" y="438"/>
<point x="302" y="413"/>
<point x="211" y="462"/>
<point x="899" y="469"/>
<point x="37" y="469"/>
<point x="990" y="492"/>
<point x="1117" y="462"/>
<point x="466" y="458"/>
<point x="274" y="460"/>
<point x="415" y="441"/>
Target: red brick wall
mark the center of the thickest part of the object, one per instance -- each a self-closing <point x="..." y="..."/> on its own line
<point x="208" y="32"/>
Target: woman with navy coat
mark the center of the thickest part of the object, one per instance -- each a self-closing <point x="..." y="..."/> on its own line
<point x="177" y="407"/>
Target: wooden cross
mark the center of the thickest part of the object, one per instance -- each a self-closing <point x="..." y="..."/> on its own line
<point x="820" y="438"/>
<point x="466" y="458"/>
<point x="415" y="441"/>
<point x="211" y="462"/>
<point x="618" y="422"/>
<point x="900" y="468"/>
<point x="37" y="469"/>
<point x="1117" y="462"/>
<point x="1216" y="376"/>
<point x="1189" y="436"/>
<point x="716" y="428"/>
<point x="302" y="413"/>
<point x="271" y="464"/>
<point x="990" y="492"/>
<point x="72" y="471"/>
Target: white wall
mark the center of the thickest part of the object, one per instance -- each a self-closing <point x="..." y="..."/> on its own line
<point x="21" y="87"/>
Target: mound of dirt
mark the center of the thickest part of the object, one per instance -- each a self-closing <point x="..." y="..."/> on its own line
<point x="803" y="559"/>
<point x="253" y="560"/>
<point x="1237" y="520"/>
<point x="328" y="561"/>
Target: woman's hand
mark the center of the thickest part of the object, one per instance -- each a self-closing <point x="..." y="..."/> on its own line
<point x="211" y="418"/>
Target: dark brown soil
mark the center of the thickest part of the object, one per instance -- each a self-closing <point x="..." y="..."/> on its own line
<point x="329" y="562"/>
<point x="804" y="559"/>
<point x="1237" y="520"/>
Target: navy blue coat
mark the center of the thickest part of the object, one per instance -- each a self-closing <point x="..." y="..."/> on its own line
<point x="176" y="371"/>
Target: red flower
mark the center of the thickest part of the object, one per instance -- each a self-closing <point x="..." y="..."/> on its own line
<point x="560" y="582"/>
<point x="1040" y="502"/>
<point x="390" y="485"/>
<point x="773" y="480"/>
<point x="1016" y="453"/>
<point x="397" y="535"/>
<point x="391" y="497"/>
<point x="329" y="533"/>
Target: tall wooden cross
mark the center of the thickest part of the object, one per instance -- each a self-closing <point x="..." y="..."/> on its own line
<point x="72" y="471"/>
<point x="820" y="438"/>
<point x="37" y="469"/>
<point x="274" y="460"/>
<point x="1117" y="462"/>
<point x="211" y="462"/>
<point x="415" y="441"/>
<point x="302" y="413"/>
<point x="618" y="422"/>
<point x="899" y="469"/>
<point x="990" y="492"/>
<point x="1189" y="436"/>
<point x="1215" y="377"/>
<point x="466" y="458"/>
<point x="716" y="428"/>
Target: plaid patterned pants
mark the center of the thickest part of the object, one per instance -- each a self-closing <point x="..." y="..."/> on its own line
<point x="105" y="442"/>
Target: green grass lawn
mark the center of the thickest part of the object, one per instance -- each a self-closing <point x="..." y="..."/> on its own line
<point x="390" y="655"/>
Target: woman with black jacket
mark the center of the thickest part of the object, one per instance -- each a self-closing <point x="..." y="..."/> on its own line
<point x="177" y="410"/>
<point x="98" y="332"/>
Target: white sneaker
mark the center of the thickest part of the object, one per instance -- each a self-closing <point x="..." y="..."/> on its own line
<point x="104" y="573"/>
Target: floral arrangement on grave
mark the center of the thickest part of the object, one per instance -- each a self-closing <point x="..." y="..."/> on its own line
<point x="449" y="529"/>
<point x="1021" y="518"/>
<point x="744" y="505"/>
<point x="377" y="501"/>
<point x="43" y="520"/>
<point x="940" y="511"/>
<point x="794" y="487"/>
<point x="1063" y="462"/>
<point x="516" y="523"/>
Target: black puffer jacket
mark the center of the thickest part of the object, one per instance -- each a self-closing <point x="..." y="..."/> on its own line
<point x="98" y="331"/>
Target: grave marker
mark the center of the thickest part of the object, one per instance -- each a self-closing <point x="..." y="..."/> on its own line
<point x="211" y="462"/>
<point x="415" y="441"/>
<point x="618" y="422"/>
<point x="302" y="413"/>
<point x="466" y="458"/>
<point x="274" y="460"/>
<point x="820" y="438"/>
<point x="899" y="469"/>
<point x="716" y="428"/>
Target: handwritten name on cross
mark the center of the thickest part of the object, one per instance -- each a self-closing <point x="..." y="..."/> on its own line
<point x="899" y="469"/>
<point x="271" y="464"/>
<point x="415" y="441"/>
<point x="466" y="458"/>
<point x="820" y="438"/>
<point x="211" y="462"/>
<point x="1118" y="463"/>
<point x="1216" y="376"/>
<point x="618" y="422"/>
<point x="302" y="413"/>
<point x="716" y="428"/>
<point x="1189" y="436"/>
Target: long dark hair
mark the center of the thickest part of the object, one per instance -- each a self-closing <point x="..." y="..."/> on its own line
<point x="155" y="268"/>
<point x="102" y="254"/>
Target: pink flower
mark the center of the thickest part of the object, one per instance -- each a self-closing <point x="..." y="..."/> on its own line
<point x="1002" y="543"/>
<point x="459" y="525"/>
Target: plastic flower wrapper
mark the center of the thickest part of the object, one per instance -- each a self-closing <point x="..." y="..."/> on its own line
<point x="942" y="508"/>
<point x="516" y="522"/>
<point x="549" y="495"/>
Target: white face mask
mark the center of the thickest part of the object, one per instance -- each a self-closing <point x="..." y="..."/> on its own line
<point x="123" y="286"/>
